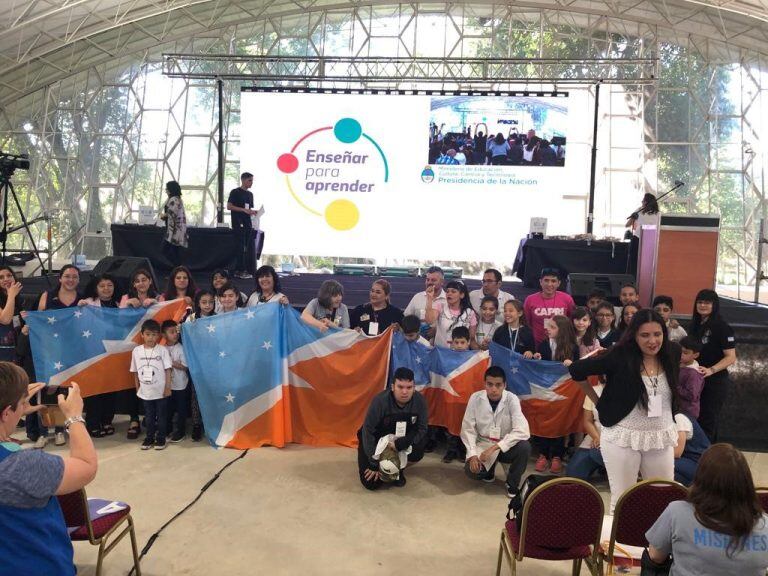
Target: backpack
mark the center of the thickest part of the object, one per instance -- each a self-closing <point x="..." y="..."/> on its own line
<point x="515" y="507"/>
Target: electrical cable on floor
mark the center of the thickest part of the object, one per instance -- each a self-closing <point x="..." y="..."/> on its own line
<point x="207" y="485"/>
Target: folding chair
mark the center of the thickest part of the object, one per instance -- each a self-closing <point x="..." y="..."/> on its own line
<point x="99" y="530"/>
<point x="562" y="520"/>
<point x="762" y="494"/>
<point x="637" y="510"/>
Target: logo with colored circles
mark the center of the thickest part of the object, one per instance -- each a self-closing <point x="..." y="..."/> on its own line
<point x="330" y="165"/>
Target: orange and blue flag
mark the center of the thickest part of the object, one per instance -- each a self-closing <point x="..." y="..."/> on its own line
<point x="91" y="345"/>
<point x="264" y="377"/>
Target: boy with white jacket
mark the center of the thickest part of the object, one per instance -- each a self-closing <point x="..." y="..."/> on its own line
<point x="495" y="430"/>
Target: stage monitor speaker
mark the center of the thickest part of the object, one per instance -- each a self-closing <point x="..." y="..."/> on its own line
<point x="581" y="284"/>
<point x="122" y="268"/>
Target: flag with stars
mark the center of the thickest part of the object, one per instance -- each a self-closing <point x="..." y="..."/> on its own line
<point x="91" y="345"/>
<point x="264" y="377"/>
<point x="551" y="400"/>
<point x="446" y="378"/>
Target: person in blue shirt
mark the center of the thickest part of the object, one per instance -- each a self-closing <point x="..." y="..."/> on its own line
<point x="35" y="541"/>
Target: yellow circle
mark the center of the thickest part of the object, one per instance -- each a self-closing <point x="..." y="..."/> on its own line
<point x="342" y="214"/>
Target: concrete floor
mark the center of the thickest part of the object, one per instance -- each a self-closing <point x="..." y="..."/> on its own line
<point x="301" y="510"/>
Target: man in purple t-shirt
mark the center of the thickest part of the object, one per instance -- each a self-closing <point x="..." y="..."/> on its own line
<point x="547" y="303"/>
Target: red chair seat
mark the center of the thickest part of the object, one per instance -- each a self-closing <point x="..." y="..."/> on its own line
<point x="542" y="553"/>
<point x="100" y="525"/>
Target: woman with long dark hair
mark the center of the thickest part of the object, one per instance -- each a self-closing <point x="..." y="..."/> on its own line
<point x="721" y="527"/>
<point x="10" y="306"/>
<point x="180" y="285"/>
<point x="457" y="311"/>
<point x="637" y="403"/>
<point x="718" y="352"/>
<point x="175" y="239"/>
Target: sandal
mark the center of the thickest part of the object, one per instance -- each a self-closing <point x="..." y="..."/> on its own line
<point x="133" y="431"/>
<point x="96" y="433"/>
<point x="109" y="430"/>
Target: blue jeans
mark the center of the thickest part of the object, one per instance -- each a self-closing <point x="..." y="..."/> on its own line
<point x="156" y="412"/>
<point x="584" y="462"/>
<point x="685" y="470"/>
<point x="179" y="401"/>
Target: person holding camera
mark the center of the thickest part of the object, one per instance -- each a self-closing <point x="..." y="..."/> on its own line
<point x="35" y="541"/>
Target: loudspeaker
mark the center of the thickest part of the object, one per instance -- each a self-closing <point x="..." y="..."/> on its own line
<point x="581" y="284"/>
<point x="122" y="268"/>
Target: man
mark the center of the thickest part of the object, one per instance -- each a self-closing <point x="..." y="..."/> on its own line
<point x="627" y="295"/>
<point x="491" y="287"/>
<point x="401" y="412"/>
<point x="547" y="303"/>
<point x="240" y="205"/>
<point x="433" y="283"/>
<point x="448" y="157"/>
<point x="35" y="541"/>
<point x="495" y="430"/>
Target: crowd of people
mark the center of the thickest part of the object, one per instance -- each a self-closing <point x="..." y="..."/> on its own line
<point x="654" y="413"/>
<point x="516" y="149"/>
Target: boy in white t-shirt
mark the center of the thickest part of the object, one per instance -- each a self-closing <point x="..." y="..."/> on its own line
<point x="179" y="382"/>
<point x="151" y="366"/>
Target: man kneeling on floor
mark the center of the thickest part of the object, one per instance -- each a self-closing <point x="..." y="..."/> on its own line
<point x="394" y="433"/>
<point x="495" y="430"/>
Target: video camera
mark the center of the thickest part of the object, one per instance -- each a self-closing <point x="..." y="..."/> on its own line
<point x="11" y="162"/>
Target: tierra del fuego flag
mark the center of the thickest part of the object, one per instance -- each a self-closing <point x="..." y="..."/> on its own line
<point x="91" y="345"/>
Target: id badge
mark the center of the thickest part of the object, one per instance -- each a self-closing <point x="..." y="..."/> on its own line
<point x="400" y="429"/>
<point x="146" y="373"/>
<point x="373" y="328"/>
<point x="422" y="313"/>
<point x="495" y="433"/>
<point x="654" y="406"/>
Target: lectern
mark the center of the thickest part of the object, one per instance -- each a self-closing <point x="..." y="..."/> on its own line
<point x="678" y="257"/>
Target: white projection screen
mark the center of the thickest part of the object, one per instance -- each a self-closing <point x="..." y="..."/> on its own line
<point x="357" y="175"/>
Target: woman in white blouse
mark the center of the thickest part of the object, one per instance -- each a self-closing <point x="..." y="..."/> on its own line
<point x="267" y="288"/>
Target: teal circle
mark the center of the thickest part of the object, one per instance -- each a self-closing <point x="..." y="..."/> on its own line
<point x="347" y="130"/>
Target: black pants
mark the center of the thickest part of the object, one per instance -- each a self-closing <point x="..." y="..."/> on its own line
<point x="156" y="412"/>
<point x="516" y="457"/>
<point x="713" y="397"/>
<point x="245" y="249"/>
<point x="363" y="464"/>
<point x="178" y="405"/>
<point x="173" y="252"/>
<point x="99" y="410"/>
<point x="550" y="447"/>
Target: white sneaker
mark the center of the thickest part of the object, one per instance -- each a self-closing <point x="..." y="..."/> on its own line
<point x="41" y="442"/>
<point x="60" y="440"/>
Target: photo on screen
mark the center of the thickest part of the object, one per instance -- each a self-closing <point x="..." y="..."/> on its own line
<point x="498" y="130"/>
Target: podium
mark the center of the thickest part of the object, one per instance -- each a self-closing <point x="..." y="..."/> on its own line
<point x="678" y="258"/>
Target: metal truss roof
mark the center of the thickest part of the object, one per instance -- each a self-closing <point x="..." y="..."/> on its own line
<point x="42" y="41"/>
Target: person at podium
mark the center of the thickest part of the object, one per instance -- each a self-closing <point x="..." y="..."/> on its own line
<point x="648" y="214"/>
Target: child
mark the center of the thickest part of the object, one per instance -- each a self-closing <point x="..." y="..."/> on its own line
<point x="457" y="311"/>
<point x="229" y="299"/>
<point x="595" y="297"/>
<point x="204" y="305"/>
<point x="514" y="334"/>
<point x="151" y="366"/>
<point x="627" y="313"/>
<point x="664" y="306"/>
<point x="327" y="310"/>
<point x="179" y="381"/>
<point x="586" y="334"/>
<point x="560" y="346"/>
<point x="691" y="380"/>
<point x="488" y="324"/>
<point x="460" y="339"/>
<point x="607" y="335"/>
<point x="627" y="295"/>
<point x="411" y="327"/>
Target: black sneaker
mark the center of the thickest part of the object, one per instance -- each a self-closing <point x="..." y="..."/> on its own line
<point x="449" y="457"/>
<point x="430" y="446"/>
<point x="147" y="444"/>
<point x="400" y="482"/>
<point x="178" y="437"/>
<point x="160" y="445"/>
<point x="511" y="492"/>
<point x="197" y="433"/>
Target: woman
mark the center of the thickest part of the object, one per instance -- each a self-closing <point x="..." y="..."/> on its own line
<point x="180" y="285"/>
<point x="456" y="312"/>
<point x="100" y="409"/>
<point x="378" y="314"/>
<point x="65" y="295"/>
<point x="637" y="403"/>
<point x="718" y="352"/>
<point x="515" y="335"/>
<point x="720" y="528"/>
<point x="498" y="149"/>
<point x="141" y="294"/>
<point x="648" y="214"/>
<point x="10" y="306"/>
<point x="267" y="288"/>
<point x="175" y="239"/>
<point x="218" y="279"/>
<point x="327" y="310"/>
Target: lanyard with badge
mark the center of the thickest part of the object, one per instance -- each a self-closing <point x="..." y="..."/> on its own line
<point x="373" y="325"/>
<point x="654" y="400"/>
<point x="147" y="372"/>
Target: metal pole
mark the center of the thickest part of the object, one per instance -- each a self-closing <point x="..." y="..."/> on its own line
<point x="759" y="276"/>
<point x="220" y="151"/>
<point x="591" y="208"/>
